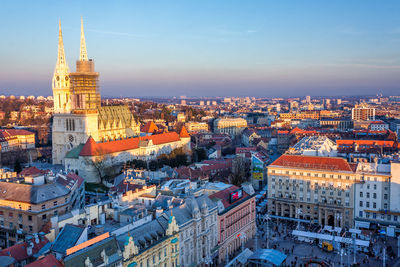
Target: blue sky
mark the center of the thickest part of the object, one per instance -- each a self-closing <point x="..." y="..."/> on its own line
<point x="207" y="48"/>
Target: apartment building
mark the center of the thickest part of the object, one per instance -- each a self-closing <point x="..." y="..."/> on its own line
<point x="377" y="196"/>
<point x="236" y="216"/>
<point x="27" y="204"/>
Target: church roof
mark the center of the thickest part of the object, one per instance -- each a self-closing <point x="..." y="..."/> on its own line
<point x="115" y="114"/>
<point x="91" y="148"/>
<point x="149" y="127"/>
<point x="184" y="132"/>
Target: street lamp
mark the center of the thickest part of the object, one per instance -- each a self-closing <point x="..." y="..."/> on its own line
<point x="298" y="211"/>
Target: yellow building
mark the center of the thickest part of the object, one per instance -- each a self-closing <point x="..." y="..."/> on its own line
<point x="316" y="189"/>
<point x="153" y="244"/>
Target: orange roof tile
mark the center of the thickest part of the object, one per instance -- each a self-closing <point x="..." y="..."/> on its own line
<point x="149" y="127"/>
<point x="312" y="162"/>
<point x="91" y="148"/>
<point x="184" y="133"/>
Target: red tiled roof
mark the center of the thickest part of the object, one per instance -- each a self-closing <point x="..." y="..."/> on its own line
<point x="32" y="171"/>
<point x="49" y="260"/>
<point x="383" y="143"/>
<point x="224" y="195"/>
<point x="19" y="251"/>
<point x="91" y="148"/>
<point x="149" y="127"/>
<point x="184" y="132"/>
<point x="311" y="162"/>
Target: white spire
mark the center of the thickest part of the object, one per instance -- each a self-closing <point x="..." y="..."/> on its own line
<point x="61" y="62"/>
<point x="83" y="53"/>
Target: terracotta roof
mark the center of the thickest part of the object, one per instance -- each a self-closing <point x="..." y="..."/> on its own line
<point x="224" y="196"/>
<point x="32" y="171"/>
<point x="49" y="260"/>
<point x="91" y="148"/>
<point x="19" y="251"/>
<point x="311" y="162"/>
<point x="383" y="143"/>
<point x="149" y="127"/>
<point x="184" y="133"/>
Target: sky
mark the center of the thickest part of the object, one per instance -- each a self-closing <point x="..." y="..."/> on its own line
<point x="207" y="48"/>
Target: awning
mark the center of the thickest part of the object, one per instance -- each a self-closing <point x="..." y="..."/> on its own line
<point x="361" y="224"/>
<point x="242" y="258"/>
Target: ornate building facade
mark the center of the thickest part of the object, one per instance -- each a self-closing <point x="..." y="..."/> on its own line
<point x="78" y="113"/>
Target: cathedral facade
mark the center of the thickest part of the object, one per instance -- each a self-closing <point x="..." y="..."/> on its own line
<point x="78" y="113"/>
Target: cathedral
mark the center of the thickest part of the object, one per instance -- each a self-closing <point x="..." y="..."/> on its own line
<point x="78" y="113"/>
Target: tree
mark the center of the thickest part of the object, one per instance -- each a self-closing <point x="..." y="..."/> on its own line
<point x="17" y="166"/>
<point x="240" y="171"/>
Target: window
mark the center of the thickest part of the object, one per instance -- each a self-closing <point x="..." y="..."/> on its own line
<point x="30" y="208"/>
<point x="374" y="186"/>
<point x="11" y="225"/>
<point x="367" y="204"/>
<point x="55" y="203"/>
<point x="21" y="226"/>
<point x="385" y="206"/>
<point x="347" y="177"/>
<point x="29" y="218"/>
<point x="43" y="206"/>
<point x="66" y="200"/>
<point x="361" y="213"/>
<point x="385" y="196"/>
<point x="367" y="194"/>
<point x="361" y="203"/>
<point x="11" y="214"/>
<point x="361" y="194"/>
<point x="44" y="217"/>
<point x="374" y="215"/>
<point x="374" y="205"/>
<point x="55" y="212"/>
<point x="395" y="218"/>
<point x="30" y="228"/>
<point x="339" y="176"/>
<point x="374" y="195"/>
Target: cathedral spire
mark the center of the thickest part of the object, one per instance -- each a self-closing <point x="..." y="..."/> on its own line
<point x="83" y="52"/>
<point x="61" y="62"/>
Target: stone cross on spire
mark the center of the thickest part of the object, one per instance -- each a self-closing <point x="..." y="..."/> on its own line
<point x="83" y="53"/>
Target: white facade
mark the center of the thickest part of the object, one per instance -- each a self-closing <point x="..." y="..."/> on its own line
<point x="377" y="198"/>
<point x="231" y="126"/>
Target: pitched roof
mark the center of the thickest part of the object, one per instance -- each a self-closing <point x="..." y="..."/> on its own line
<point x="149" y="127"/>
<point x="184" y="132"/>
<point x="311" y="162"/>
<point x="49" y="260"/>
<point x="93" y="252"/>
<point x="224" y="196"/>
<point x="19" y="251"/>
<point x="32" y="193"/>
<point x="91" y="148"/>
<point x="32" y="171"/>
<point x="68" y="238"/>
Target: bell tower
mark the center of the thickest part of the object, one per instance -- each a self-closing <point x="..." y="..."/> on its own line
<point x="61" y="82"/>
<point x="85" y="83"/>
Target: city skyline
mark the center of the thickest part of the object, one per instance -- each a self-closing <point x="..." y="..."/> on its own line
<point x="208" y="49"/>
